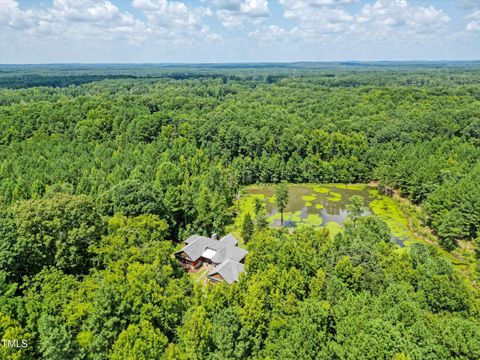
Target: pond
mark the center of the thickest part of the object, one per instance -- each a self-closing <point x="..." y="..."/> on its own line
<point x="320" y="205"/>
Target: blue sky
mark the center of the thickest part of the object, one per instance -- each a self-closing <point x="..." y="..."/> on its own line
<point x="158" y="31"/>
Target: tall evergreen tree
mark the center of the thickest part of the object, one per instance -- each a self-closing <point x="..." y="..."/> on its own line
<point x="282" y="197"/>
<point x="247" y="228"/>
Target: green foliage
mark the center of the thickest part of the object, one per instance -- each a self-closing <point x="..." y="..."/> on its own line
<point x="260" y="220"/>
<point x="55" y="231"/>
<point x="131" y="198"/>
<point x="455" y="209"/>
<point x="226" y="334"/>
<point x="55" y="341"/>
<point x="130" y="238"/>
<point x="99" y="181"/>
<point x="195" y="334"/>
<point x="11" y="330"/>
<point x="476" y="244"/>
<point x="139" y="342"/>
<point x="247" y="228"/>
<point x="356" y="207"/>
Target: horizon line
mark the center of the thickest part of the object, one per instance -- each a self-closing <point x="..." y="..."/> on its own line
<point x="244" y="62"/>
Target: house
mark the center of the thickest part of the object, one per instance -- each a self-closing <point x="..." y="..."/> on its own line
<point x="224" y="255"/>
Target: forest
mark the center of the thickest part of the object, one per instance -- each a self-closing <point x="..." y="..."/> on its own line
<point x="104" y="171"/>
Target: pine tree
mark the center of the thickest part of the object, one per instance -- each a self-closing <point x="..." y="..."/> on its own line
<point x="282" y="199"/>
<point x="247" y="228"/>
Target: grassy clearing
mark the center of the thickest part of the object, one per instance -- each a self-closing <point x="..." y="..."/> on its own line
<point x="199" y="276"/>
<point x="245" y="205"/>
<point x="405" y="221"/>
<point x="386" y="209"/>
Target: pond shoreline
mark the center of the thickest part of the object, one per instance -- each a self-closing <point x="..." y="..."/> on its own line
<point x="405" y="220"/>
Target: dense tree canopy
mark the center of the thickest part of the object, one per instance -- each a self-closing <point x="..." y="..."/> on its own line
<point x="100" y="180"/>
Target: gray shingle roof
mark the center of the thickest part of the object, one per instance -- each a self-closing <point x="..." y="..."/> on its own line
<point x="228" y="270"/>
<point x="227" y="256"/>
<point x="229" y="252"/>
<point x="226" y="249"/>
<point x="229" y="239"/>
<point x="192" y="239"/>
<point x="195" y="248"/>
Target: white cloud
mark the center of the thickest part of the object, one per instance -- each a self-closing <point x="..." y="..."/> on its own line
<point x="318" y="19"/>
<point x="171" y="14"/>
<point x="88" y="11"/>
<point x="234" y="13"/>
<point x="89" y="19"/>
<point x="156" y="29"/>
<point x="312" y="10"/>
<point x="271" y="33"/>
<point x="468" y="4"/>
<point x="387" y="18"/>
<point x="175" y="21"/>
<point x="381" y="20"/>
<point x="11" y="16"/>
<point x="101" y="20"/>
<point x="10" y="9"/>
<point x="474" y="24"/>
<point x="69" y="19"/>
<point x="314" y="3"/>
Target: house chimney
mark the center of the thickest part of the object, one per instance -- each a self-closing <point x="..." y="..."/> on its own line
<point x="215" y="236"/>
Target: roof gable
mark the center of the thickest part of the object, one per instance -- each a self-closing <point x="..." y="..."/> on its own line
<point x="229" y="253"/>
<point x="196" y="248"/>
<point x="192" y="239"/>
<point x="229" y="240"/>
<point x="228" y="270"/>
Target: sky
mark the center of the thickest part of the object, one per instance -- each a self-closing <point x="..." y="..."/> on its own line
<point x="221" y="31"/>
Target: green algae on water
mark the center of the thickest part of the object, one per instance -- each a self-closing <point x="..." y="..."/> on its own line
<point x="312" y="220"/>
<point x="296" y="216"/>
<point x="334" y="196"/>
<point x="320" y="190"/>
<point x="386" y="209"/>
